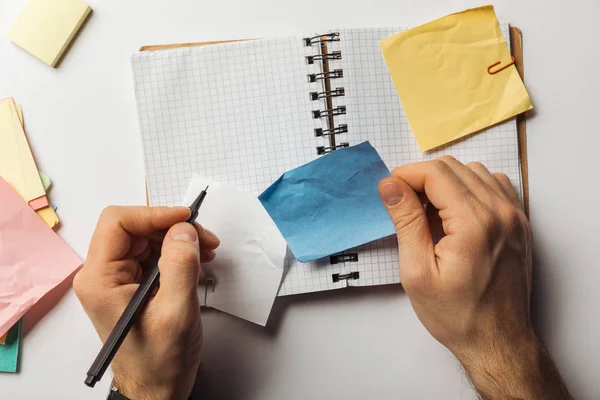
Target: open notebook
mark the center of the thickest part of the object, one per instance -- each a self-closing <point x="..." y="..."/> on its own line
<point x="243" y="113"/>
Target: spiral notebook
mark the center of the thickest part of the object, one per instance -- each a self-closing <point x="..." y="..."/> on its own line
<point x="244" y="112"/>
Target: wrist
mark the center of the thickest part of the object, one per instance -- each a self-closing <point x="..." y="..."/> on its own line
<point x="496" y="367"/>
<point x="135" y="389"/>
<point x="515" y="368"/>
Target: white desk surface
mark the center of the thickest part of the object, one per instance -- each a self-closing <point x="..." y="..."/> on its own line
<point x="354" y="344"/>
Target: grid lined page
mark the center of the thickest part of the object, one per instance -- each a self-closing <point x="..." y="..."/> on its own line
<point x="238" y="113"/>
<point x="374" y="113"/>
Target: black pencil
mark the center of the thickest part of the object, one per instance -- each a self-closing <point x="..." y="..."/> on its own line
<point x="132" y="311"/>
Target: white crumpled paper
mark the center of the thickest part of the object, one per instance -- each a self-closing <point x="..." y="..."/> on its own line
<point x="248" y="267"/>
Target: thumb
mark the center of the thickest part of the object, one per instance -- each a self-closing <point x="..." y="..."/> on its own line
<point x="415" y="246"/>
<point x="179" y="263"/>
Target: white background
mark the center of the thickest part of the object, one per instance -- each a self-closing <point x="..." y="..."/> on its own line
<point x="354" y="344"/>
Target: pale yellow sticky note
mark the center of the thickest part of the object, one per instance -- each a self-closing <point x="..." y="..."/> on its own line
<point x="46" y="27"/>
<point x="440" y="72"/>
<point x="47" y="213"/>
<point x="20" y="114"/>
<point x="17" y="165"/>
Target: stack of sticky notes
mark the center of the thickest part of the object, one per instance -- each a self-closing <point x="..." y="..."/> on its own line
<point x="33" y="258"/>
<point x="17" y="165"/>
<point x="45" y="28"/>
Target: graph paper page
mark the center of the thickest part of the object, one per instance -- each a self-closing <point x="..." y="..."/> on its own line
<point x="374" y="113"/>
<point x="237" y="113"/>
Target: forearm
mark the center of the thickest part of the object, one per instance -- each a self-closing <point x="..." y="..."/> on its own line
<point x="521" y="369"/>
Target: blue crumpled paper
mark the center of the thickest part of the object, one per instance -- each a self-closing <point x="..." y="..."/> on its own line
<point x="330" y="204"/>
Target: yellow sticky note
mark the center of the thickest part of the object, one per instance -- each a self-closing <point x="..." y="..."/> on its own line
<point x="46" y="27"/>
<point x="440" y="71"/>
<point x="17" y="165"/>
<point x="48" y="215"/>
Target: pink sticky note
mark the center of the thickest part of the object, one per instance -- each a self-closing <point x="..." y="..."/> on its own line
<point x="33" y="259"/>
<point x="38" y="203"/>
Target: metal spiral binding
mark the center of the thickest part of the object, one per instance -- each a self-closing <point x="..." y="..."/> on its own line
<point x="324" y="150"/>
<point x="338" y="277"/>
<point x="336" y="73"/>
<point x="342" y="258"/>
<point x="341" y="110"/>
<point x="326" y="76"/>
<point x="329" y="93"/>
<point x="335" y="131"/>
<point x="336" y="55"/>
<point x="328" y="37"/>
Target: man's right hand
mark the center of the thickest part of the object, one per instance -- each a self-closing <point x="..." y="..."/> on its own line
<point x="465" y="263"/>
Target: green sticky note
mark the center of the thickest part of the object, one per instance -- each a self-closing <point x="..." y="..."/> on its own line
<point x="45" y="180"/>
<point x="9" y="352"/>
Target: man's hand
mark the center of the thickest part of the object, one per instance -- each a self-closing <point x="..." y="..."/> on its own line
<point x="160" y="357"/>
<point x="465" y="263"/>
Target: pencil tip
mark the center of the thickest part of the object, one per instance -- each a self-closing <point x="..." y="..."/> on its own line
<point x="206" y="188"/>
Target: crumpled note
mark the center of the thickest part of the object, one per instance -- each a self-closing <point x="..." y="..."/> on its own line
<point x="248" y="266"/>
<point x="440" y="73"/>
<point x="33" y="258"/>
<point x="330" y="204"/>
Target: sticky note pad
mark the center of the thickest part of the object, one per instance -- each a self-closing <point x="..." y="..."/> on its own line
<point x="33" y="258"/>
<point x="46" y="27"/>
<point x="440" y="71"/>
<point x="9" y="351"/>
<point x="17" y="165"/>
<point x="330" y="204"/>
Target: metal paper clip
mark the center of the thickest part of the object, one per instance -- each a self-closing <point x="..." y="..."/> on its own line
<point x="211" y="282"/>
<point x="489" y="70"/>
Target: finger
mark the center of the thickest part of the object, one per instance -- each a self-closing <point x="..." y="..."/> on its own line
<point x="179" y="264"/>
<point x="484" y="174"/>
<point x="504" y="181"/>
<point x="415" y="246"/>
<point x="156" y="246"/>
<point x="145" y="255"/>
<point x="436" y="227"/>
<point x="207" y="256"/>
<point x="93" y="287"/>
<point x="442" y="186"/>
<point x="208" y="240"/>
<point x="138" y="246"/>
<point x="112" y="238"/>
<point x="158" y="236"/>
<point x="471" y="180"/>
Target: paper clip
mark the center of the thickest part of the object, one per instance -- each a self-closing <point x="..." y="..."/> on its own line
<point x="210" y="281"/>
<point x="501" y="68"/>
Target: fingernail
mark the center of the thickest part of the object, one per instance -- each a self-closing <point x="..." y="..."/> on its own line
<point x="184" y="232"/>
<point x="178" y="208"/>
<point x="211" y="236"/>
<point x="391" y="193"/>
